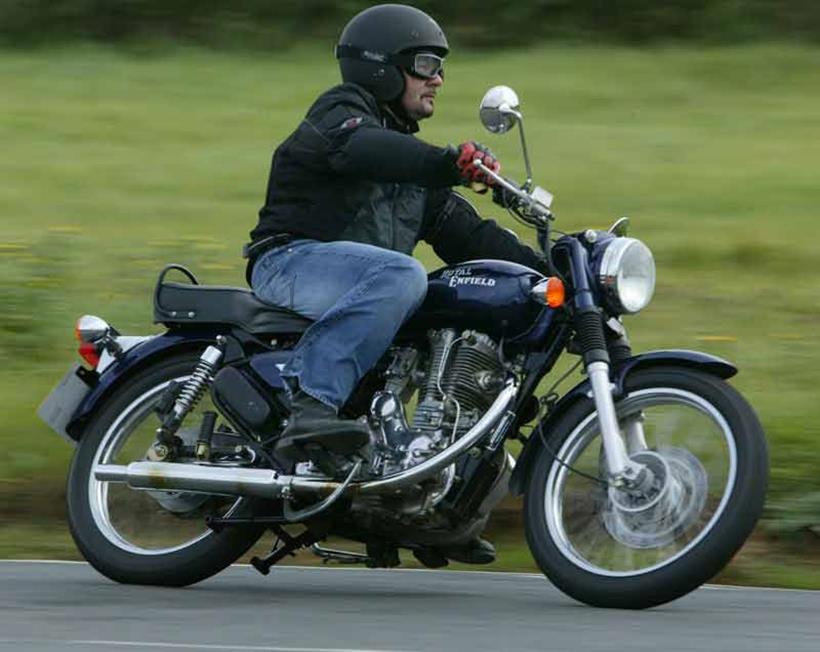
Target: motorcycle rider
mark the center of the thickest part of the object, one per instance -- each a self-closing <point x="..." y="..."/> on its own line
<point x="351" y="191"/>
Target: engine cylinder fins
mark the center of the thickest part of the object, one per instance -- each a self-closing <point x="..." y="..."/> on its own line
<point x="470" y="377"/>
<point x="463" y="370"/>
<point x="441" y="342"/>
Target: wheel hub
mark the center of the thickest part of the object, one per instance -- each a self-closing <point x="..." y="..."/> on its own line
<point x="655" y="517"/>
<point x="177" y="502"/>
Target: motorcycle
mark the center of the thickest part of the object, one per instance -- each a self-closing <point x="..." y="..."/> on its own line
<point x="639" y="483"/>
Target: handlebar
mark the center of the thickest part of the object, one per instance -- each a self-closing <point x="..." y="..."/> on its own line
<point x="535" y="208"/>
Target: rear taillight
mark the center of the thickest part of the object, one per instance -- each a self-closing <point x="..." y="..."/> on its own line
<point x="90" y="353"/>
<point x="91" y="332"/>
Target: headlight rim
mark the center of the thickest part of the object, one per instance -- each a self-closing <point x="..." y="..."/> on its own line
<point x="610" y="268"/>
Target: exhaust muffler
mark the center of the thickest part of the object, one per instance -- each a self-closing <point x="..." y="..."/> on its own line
<point x="194" y="478"/>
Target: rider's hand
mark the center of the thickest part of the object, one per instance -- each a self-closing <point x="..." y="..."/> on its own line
<point x="469" y="173"/>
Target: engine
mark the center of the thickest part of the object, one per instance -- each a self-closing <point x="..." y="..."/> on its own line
<point x="452" y="383"/>
<point x="455" y="382"/>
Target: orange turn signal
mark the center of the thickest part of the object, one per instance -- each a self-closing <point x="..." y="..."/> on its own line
<point x="550" y="292"/>
<point x="555" y="292"/>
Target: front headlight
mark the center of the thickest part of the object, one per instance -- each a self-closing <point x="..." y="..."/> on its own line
<point x="627" y="275"/>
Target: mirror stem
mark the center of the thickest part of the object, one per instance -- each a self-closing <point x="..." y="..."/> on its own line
<point x="528" y="182"/>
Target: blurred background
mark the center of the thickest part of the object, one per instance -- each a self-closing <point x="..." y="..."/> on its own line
<point x="139" y="132"/>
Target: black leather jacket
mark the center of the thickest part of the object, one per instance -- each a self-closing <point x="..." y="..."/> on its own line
<point x="352" y="170"/>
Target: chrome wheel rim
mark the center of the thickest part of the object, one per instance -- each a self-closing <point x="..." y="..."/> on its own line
<point x="136" y="521"/>
<point x="576" y="509"/>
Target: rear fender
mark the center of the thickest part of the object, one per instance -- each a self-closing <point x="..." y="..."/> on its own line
<point x="672" y="357"/>
<point x="133" y="361"/>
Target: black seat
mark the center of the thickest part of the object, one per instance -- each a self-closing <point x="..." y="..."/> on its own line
<point x="185" y="303"/>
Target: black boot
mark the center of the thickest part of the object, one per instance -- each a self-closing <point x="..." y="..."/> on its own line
<point x="314" y="427"/>
<point x="477" y="551"/>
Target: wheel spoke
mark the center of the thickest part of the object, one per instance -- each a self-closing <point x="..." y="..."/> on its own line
<point x="691" y="453"/>
<point x="149" y="522"/>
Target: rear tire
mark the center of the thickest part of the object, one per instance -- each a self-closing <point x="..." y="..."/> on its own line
<point x="91" y="527"/>
<point x="596" y="559"/>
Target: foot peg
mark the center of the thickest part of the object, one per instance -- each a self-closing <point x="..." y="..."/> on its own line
<point x="379" y="555"/>
<point x="339" y="556"/>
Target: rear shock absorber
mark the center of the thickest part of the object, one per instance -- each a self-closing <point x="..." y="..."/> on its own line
<point x="189" y="395"/>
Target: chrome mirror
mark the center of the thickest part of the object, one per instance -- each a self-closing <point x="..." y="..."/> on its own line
<point x="499" y="112"/>
<point x="499" y="109"/>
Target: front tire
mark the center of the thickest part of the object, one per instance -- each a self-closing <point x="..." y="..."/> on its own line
<point x="135" y="537"/>
<point x="709" y="451"/>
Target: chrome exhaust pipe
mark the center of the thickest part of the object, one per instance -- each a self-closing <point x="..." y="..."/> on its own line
<point x="439" y="462"/>
<point x="193" y="478"/>
<point x="266" y="483"/>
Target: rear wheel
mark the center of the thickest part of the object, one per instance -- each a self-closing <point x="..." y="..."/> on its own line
<point x="148" y="537"/>
<point x="611" y="547"/>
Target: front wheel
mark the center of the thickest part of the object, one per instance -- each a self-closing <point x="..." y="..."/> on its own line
<point x="633" y="549"/>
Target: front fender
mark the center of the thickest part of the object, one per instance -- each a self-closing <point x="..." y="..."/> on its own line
<point x="134" y="360"/>
<point x="672" y="357"/>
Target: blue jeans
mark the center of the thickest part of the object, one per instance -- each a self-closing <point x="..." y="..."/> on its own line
<point x="359" y="295"/>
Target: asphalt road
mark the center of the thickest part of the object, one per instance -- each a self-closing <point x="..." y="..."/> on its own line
<point x="68" y="606"/>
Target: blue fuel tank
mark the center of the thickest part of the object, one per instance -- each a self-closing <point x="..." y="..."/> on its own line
<point x="490" y="296"/>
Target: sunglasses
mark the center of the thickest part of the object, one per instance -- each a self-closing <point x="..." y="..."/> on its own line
<point x="424" y="65"/>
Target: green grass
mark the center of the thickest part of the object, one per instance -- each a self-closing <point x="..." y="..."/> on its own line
<point x="115" y="163"/>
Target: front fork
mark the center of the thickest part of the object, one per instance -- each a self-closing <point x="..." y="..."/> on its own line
<point x="623" y="471"/>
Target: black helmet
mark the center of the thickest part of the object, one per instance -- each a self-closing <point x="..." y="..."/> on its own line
<point x="370" y="45"/>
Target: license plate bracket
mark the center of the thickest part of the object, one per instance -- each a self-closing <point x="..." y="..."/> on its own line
<point x="61" y="404"/>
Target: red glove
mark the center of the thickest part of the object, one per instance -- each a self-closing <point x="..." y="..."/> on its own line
<point x="469" y="152"/>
